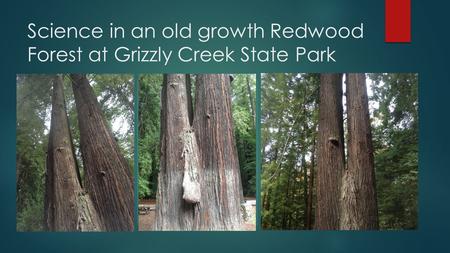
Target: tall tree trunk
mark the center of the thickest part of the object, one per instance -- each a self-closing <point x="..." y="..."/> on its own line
<point x="213" y="124"/>
<point x="108" y="175"/>
<point x="179" y="195"/>
<point x="67" y="206"/>
<point x="49" y="206"/>
<point x="359" y="201"/>
<point x="330" y="164"/>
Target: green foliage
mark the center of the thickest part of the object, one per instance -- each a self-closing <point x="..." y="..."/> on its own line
<point x="243" y="109"/>
<point x="33" y="107"/>
<point x="396" y="132"/>
<point x="289" y="120"/>
<point x="149" y="131"/>
<point x="30" y="218"/>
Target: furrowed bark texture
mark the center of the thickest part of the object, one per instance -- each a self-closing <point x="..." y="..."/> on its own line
<point x="67" y="207"/>
<point x="108" y="176"/>
<point x="190" y="105"/>
<point x="359" y="200"/>
<point x="49" y="190"/>
<point x="213" y="125"/>
<point x="178" y="180"/>
<point x="331" y="161"/>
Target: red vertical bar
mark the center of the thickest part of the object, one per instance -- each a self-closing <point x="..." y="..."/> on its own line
<point x="398" y="21"/>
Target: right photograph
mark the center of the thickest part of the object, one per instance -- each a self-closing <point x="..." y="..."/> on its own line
<point x="339" y="151"/>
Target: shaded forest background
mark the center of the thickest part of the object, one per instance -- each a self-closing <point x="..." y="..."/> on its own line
<point x="243" y="110"/>
<point x="289" y="135"/>
<point x="115" y="95"/>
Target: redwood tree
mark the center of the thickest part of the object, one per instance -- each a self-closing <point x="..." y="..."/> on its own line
<point x="108" y="177"/>
<point x="213" y="125"/>
<point x="199" y="180"/>
<point x="330" y="162"/>
<point x="359" y="200"/>
<point x="178" y="196"/>
<point x="67" y="206"/>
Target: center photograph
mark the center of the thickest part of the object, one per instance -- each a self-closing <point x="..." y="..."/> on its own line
<point x="196" y="147"/>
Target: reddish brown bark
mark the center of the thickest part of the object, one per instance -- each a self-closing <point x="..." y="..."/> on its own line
<point x="179" y="153"/>
<point x="330" y="162"/>
<point x="199" y="177"/>
<point x="359" y="201"/>
<point x="108" y="177"/>
<point x="213" y="125"/>
<point x="67" y="206"/>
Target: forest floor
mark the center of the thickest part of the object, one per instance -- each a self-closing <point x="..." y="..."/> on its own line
<point x="147" y="214"/>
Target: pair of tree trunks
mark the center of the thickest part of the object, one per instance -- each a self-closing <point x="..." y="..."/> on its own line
<point x="106" y="201"/>
<point x="199" y="180"/>
<point x="68" y="207"/>
<point x="346" y="196"/>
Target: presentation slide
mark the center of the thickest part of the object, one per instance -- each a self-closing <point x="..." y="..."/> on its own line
<point x="224" y="126"/>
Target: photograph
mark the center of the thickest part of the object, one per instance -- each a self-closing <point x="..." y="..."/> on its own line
<point x="74" y="152"/>
<point x="339" y="151"/>
<point x="197" y="155"/>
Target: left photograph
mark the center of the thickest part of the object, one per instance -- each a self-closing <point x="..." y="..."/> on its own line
<point x="74" y="152"/>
